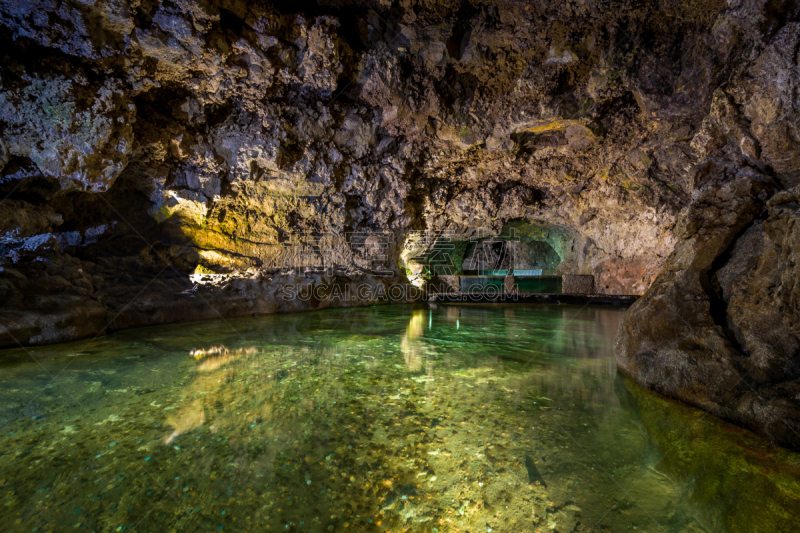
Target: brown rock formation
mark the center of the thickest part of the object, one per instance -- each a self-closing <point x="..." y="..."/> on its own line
<point x="720" y="326"/>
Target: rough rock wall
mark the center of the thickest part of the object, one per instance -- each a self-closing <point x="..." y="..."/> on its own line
<point x="720" y="326"/>
<point x="141" y="141"/>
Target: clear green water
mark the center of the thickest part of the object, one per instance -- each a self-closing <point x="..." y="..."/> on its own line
<point x="378" y="419"/>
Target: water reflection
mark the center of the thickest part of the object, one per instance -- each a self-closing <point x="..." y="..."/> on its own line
<point x="458" y="418"/>
<point x="412" y="344"/>
<point x="217" y="356"/>
<point x="205" y="387"/>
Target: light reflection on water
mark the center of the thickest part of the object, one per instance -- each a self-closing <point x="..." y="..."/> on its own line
<point x="456" y="418"/>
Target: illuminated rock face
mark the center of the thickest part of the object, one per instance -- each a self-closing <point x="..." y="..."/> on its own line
<point x="141" y="142"/>
<point x="720" y="326"/>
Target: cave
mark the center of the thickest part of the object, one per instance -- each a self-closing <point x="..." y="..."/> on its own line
<point x="364" y="265"/>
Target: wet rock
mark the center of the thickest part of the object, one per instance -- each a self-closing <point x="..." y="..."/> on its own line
<point x="718" y="327"/>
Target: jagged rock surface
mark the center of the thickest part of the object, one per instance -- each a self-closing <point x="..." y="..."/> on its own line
<point x="720" y="326"/>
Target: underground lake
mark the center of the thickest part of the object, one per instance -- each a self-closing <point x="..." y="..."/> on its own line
<point x="400" y="266"/>
<point x="504" y="417"/>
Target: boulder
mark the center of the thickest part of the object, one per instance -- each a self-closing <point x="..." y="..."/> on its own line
<point x="719" y="328"/>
